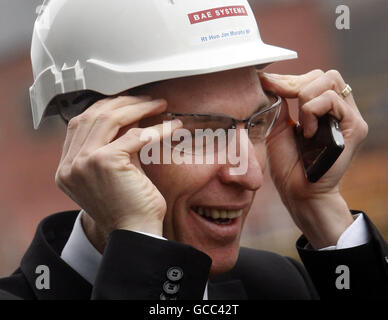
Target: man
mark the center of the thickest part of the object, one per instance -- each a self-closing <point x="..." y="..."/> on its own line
<point x="172" y="231"/>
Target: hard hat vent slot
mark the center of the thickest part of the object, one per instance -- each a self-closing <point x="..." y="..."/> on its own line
<point x="73" y="77"/>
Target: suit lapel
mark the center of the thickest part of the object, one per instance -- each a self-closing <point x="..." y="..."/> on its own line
<point x="45" y="250"/>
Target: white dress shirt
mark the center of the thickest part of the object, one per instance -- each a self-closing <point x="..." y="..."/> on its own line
<point x="84" y="258"/>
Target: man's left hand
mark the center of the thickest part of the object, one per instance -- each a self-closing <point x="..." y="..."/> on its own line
<point x="318" y="209"/>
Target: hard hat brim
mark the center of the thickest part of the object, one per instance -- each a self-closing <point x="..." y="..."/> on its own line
<point x="183" y="65"/>
<point x="110" y="79"/>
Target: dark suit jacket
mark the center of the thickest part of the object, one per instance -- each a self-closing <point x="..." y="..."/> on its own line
<point x="134" y="266"/>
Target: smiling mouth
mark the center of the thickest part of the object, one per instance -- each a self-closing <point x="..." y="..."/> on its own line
<point x="218" y="216"/>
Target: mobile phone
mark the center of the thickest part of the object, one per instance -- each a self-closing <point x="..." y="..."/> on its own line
<point x="319" y="153"/>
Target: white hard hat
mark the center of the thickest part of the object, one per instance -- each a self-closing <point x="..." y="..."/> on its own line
<point x="111" y="46"/>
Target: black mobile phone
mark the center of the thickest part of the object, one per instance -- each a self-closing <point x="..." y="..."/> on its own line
<point x="320" y="152"/>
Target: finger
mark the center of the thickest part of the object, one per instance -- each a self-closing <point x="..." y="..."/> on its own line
<point x="86" y="120"/>
<point x="328" y="102"/>
<point x="107" y="126"/>
<point x="287" y="86"/>
<point x="331" y="80"/>
<point x="73" y="123"/>
<point x="114" y="102"/>
<point x="71" y="128"/>
<point x="134" y="139"/>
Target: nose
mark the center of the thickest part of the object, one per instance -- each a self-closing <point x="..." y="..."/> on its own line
<point x="252" y="177"/>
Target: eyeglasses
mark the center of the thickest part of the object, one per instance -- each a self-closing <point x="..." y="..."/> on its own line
<point x="200" y="126"/>
<point x="200" y="129"/>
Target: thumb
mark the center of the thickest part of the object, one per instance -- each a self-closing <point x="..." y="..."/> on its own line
<point x="287" y="86"/>
<point x="125" y="129"/>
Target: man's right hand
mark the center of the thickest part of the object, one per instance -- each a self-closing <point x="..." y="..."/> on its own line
<point x="100" y="168"/>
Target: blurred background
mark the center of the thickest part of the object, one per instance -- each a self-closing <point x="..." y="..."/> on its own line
<point x="29" y="158"/>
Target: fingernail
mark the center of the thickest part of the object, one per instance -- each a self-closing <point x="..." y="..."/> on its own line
<point x="176" y="123"/>
<point x="267" y="75"/>
<point x="145" y="97"/>
<point x="159" y="100"/>
<point x="275" y="76"/>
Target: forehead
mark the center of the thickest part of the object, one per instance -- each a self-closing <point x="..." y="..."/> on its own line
<point x="235" y="92"/>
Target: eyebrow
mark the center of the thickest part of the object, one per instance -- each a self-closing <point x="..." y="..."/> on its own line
<point x="262" y="106"/>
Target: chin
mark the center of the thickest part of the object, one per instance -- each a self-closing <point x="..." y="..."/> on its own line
<point x="223" y="259"/>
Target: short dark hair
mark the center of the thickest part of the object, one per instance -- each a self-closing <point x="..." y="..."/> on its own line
<point x="72" y="104"/>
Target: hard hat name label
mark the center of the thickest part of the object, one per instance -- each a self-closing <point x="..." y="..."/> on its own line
<point x="216" y="13"/>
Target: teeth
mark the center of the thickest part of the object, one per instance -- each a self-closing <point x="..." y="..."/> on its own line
<point x="215" y="214"/>
<point x="218" y="214"/>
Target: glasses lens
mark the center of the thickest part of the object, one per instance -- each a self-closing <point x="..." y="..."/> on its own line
<point x="261" y="123"/>
<point x="200" y="134"/>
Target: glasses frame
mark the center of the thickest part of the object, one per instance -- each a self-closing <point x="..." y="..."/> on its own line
<point x="173" y="115"/>
<point x="248" y="121"/>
